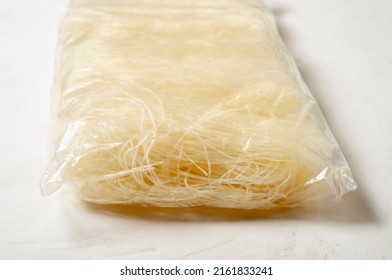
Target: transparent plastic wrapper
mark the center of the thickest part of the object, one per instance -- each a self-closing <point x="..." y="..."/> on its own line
<point x="178" y="103"/>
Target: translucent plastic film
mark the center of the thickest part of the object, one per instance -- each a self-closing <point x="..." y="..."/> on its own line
<point x="180" y="103"/>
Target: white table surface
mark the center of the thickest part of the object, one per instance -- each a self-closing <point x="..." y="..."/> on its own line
<point x="344" y="50"/>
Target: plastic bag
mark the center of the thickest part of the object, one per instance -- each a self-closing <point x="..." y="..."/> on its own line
<point x="180" y="103"/>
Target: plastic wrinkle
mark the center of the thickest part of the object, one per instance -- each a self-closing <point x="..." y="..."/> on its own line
<point x="183" y="103"/>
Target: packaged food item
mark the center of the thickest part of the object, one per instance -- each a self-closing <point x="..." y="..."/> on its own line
<point x="179" y="103"/>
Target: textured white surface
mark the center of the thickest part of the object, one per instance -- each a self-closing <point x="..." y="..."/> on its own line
<point x="344" y="51"/>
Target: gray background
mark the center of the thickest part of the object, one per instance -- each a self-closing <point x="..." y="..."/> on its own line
<point x="344" y="51"/>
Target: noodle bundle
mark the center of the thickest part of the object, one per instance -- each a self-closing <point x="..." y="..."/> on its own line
<point x="178" y="103"/>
